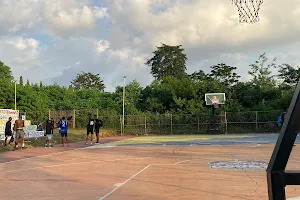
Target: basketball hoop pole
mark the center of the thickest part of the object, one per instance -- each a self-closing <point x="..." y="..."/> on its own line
<point x="277" y="177"/>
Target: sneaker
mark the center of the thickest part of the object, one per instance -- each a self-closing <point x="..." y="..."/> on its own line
<point x="91" y="143"/>
<point x="86" y="143"/>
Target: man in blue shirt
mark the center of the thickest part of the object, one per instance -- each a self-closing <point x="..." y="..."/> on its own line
<point x="63" y="125"/>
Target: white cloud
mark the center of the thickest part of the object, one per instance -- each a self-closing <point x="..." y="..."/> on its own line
<point x="53" y="40"/>
<point x="102" y="45"/>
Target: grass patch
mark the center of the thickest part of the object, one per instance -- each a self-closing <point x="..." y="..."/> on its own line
<point x="176" y="138"/>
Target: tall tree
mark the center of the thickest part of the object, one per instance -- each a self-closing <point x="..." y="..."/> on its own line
<point x="5" y="72"/>
<point x="261" y="72"/>
<point x="27" y="83"/>
<point x="21" y="83"/>
<point x="168" y="61"/>
<point x="289" y="74"/>
<point x="200" y="76"/>
<point x="88" y="81"/>
<point x="225" y="74"/>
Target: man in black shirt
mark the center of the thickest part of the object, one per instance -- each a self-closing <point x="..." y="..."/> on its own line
<point x="52" y="125"/>
<point x="98" y="124"/>
<point x="48" y="134"/>
<point x="89" y="128"/>
<point x="8" y="131"/>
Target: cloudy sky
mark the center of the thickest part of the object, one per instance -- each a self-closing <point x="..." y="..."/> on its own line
<point x="53" y="40"/>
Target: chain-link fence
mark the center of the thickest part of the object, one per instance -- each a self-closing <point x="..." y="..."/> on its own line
<point x="228" y="122"/>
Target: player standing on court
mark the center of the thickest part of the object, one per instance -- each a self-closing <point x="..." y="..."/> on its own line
<point x="52" y="125"/>
<point x="8" y="131"/>
<point x="281" y="118"/>
<point x="63" y="125"/>
<point x="98" y="124"/>
<point x="90" y="129"/>
<point x="48" y="133"/>
<point x="19" y="128"/>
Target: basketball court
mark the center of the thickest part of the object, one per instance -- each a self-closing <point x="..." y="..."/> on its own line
<point x="218" y="168"/>
<point x="227" y="167"/>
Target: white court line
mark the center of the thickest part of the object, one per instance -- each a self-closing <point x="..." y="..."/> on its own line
<point x="45" y="155"/>
<point x="181" y="162"/>
<point x="77" y="163"/>
<point x="120" y="185"/>
<point x="129" y="179"/>
<point x="50" y="154"/>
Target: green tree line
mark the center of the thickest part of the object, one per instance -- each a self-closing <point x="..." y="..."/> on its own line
<point x="172" y="91"/>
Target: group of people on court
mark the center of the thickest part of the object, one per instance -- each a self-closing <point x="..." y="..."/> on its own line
<point x="15" y="134"/>
<point x="93" y="125"/>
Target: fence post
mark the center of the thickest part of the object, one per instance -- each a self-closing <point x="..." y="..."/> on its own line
<point x="256" y="121"/>
<point x="74" y="118"/>
<point x="171" y="125"/>
<point x="145" y="124"/>
<point x="198" y="123"/>
<point x="49" y="114"/>
<point x="121" y="125"/>
<point x="226" y="125"/>
<point x="97" y="114"/>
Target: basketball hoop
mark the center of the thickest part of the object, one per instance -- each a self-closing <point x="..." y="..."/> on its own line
<point x="216" y="105"/>
<point x="248" y="10"/>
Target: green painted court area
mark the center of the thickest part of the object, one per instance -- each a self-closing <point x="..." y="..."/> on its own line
<point x="180" y="138"/>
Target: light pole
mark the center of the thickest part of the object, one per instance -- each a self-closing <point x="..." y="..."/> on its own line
<point x="15" y="95"/>
<point x="123" y="123"/>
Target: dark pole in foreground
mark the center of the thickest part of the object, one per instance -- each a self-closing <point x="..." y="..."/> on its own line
<point x="277" y="177"/>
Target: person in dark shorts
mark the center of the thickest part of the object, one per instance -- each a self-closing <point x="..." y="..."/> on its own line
<point x="98" y="125"/>
<point x="90" y="129"/>
<point x="63" y="125"/>
<point x="8" y="131"/>
<point x="48" y="133"/>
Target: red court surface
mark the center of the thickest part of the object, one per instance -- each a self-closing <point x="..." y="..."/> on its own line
<point x="129" y="173"/>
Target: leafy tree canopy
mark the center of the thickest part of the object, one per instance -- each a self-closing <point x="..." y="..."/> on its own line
<point x="168" y="61"/>
<point x="88" y="81"/>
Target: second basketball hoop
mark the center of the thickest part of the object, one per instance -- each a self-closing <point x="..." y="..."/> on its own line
<point x="214" y="99"/>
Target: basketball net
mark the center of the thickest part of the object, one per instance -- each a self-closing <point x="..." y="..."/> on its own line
<point x="248" y="10"/>
<point x="216" y="105"/>
<point x="215" y="102"/>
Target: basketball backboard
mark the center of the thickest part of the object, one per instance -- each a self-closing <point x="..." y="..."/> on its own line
<point x="214" y="98"/>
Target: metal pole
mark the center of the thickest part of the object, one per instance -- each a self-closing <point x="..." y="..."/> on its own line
<point x="226" y="125"/>
<point x="123" y="123"/>
<point x="97" y="113"/>
<point x="15" y="95"/>
<point x="74" y="118"/>
<point x="256" y="121"/>
<point x="145" y="124"/>
<point x="171" y="125"/>
<point x="49" y="114"/>
<point x="198" y="123"/>
<point x="277" y="177"/>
